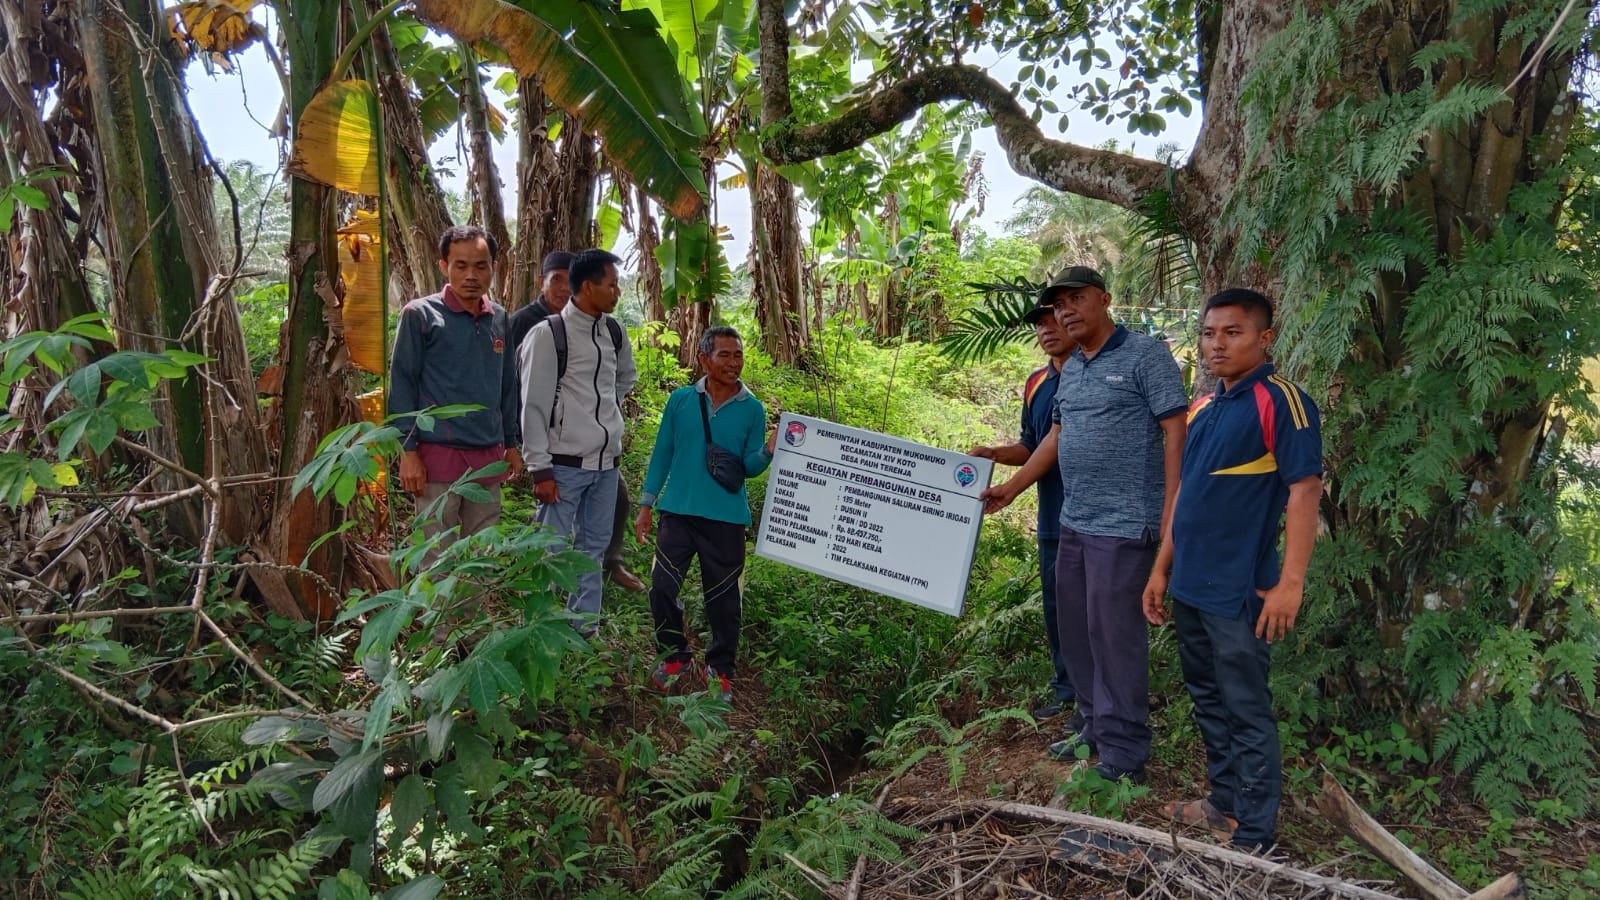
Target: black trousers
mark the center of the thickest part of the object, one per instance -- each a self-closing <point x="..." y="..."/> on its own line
<point x="720" y="546"/>
<point x="1225" y="667"/>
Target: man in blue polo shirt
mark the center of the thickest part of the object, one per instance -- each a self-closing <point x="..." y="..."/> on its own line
<point x="1253" y="454"/>
<point x="1118" y="439"/>
<point x="1038" y="406"/>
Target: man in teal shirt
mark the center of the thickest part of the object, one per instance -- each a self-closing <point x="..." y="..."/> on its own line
<point x="700" y="517"/>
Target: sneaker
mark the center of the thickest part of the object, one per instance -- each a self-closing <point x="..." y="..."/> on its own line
<point x="719" y="684"/>
<point x="1112" y="772"/>
<point x="668" y="673"/>
<point x="1066" y="749"/>
<point x="1077" y="724"/>
<point x="1048" y="709"/>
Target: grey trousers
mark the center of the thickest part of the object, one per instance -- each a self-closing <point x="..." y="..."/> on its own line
<point x="585" y="513"/>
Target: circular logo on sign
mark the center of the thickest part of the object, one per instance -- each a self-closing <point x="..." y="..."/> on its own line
<point x="795" y="434"/>
<point x="966" y="474"/>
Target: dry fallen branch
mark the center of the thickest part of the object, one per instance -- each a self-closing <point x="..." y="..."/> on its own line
<point x="1342" y="811"/>
<point x="1186" y="851"/>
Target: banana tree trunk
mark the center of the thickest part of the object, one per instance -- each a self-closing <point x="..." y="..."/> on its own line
<point x="649" y="238"/>
<point x="489" y="210"/>
<point x="535" y="162"/>
<point x="417" y="214"/>
<point x="162" y="251"/>
<point x="779" y="301"/>
<point x="316" y="395"/>
<point x="41" y="265"/>
<point x="571" y="225"/>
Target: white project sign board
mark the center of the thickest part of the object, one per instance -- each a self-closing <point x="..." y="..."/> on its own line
<point x="882" y="513"/>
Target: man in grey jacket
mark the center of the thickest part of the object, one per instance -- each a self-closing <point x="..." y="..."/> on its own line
<point x="572" y="416"/>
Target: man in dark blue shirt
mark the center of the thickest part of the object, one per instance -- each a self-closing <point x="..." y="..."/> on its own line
<point x="450" y="348"/>
<point x="1038" y="402"/>
<point x="1253" y="454"/>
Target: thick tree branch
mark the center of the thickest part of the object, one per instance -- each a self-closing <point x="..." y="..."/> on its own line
<point x="1101" y="174"/>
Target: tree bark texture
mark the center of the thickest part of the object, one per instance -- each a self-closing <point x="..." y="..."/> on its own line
<point x="44" y="283"/>
<point x="169" y="283"/>
<point x="571" y="223"/>
<point x="555" y="190"/>
<point x="417" y="214"/>
<point x="649" y="238"/>
<point x="775" y="254"/>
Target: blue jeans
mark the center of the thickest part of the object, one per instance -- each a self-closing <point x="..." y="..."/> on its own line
<point x="585" y="512"/>
<point x="1061" y="684"/>
<point x="1225" y="668"/>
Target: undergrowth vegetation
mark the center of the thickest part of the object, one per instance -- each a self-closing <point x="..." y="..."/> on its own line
<point x="457" y="735"/>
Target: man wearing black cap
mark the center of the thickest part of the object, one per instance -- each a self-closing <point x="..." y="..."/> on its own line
<point x="1038" y="406"/>
<point x="557" y="290"/>
<point x="1118" y="440"/>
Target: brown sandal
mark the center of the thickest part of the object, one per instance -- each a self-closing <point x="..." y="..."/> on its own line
<point x="1200" y="814"/>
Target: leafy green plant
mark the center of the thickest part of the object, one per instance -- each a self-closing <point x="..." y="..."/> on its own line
<point x="162" y="839"/>
<point x="108" y="395"/>
<point x="1086" y="791"/>
<point x="1510" y="754"/>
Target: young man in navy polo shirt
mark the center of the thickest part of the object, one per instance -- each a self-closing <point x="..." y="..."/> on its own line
<point x="1038" y="409"/>
<point x="1253" y="453"/>
<point x="1118" y="439"/>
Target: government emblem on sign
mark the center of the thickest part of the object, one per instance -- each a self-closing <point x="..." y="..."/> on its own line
<point x="966" y="474"/>
<point x="795" y="434"/>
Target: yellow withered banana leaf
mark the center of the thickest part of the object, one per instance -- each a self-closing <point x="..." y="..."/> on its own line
<point x="335" y="141"/>
<point x="361" y="269"/>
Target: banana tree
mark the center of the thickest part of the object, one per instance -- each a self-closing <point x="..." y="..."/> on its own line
<point x="170" y="282"/>
<point x="921" y="180"/>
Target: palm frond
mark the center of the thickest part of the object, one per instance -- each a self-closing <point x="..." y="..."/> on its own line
<point x="986" y="328"/>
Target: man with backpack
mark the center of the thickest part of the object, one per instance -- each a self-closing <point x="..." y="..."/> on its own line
<point x="576" y="367"/>
<point x="555" y="292"/>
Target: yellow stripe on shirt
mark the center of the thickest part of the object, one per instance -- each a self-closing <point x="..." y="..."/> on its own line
<point x="1297" y="408"/>
<point x="1266" y="463"/>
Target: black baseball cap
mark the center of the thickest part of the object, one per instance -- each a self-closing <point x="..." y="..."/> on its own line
<point x="556" y="260"/>
<point x="1071" y="277"/>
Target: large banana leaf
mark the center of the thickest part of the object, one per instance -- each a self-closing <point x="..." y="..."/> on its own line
<point x="697" y="29"/>
<point x="609" y="67"/>
<point x="693" y="266"/>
